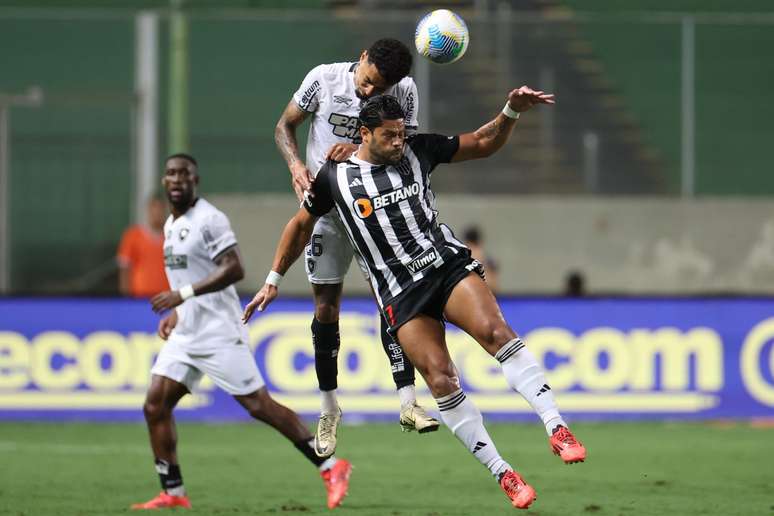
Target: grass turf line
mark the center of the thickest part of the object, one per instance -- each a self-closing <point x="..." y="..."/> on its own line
<point x="633" y="469"/>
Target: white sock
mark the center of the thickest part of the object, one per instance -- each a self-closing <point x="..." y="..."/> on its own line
<point x="465" y="421"/>
<point x="176" y="491"/>
<point x="328" y="464"/>
<point x="330" y="405"/>
<point x="407" y="395"/>
<point x="525" y="376"/>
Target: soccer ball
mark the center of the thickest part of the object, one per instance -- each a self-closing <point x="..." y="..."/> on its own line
<point x="442" y="36"/>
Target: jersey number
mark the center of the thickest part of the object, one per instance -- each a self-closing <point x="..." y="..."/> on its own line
<point x="317" y="248"/>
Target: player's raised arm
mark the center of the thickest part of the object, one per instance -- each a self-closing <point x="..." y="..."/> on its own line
<point x="490" y="137"/>
<point x="294" y="238"/>
<point x="291" y="244"/>
<point x="285" y="138"/>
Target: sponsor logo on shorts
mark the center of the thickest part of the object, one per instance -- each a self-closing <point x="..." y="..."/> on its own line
<point x="423" y="261"/>
<point x="248" y="381"/>
<point x="310" y="265"/>
<point x="183" y="233"/>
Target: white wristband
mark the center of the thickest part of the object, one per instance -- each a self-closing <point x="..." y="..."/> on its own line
<point x="187" y="292"/>
<point x="507" y="111"/>
<point x="274" y="278"/>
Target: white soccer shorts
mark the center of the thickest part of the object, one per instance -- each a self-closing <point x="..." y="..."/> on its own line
<point x="329" y="252"/>
<point x="231" y="366"/>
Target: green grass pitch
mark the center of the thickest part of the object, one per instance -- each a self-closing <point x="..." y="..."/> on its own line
<point x="633" y="469"/>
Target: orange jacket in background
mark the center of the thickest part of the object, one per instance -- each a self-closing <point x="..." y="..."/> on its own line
<point x="143" y="253"/>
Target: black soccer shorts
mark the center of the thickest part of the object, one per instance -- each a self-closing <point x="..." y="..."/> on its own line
<point x="429" y="295"/>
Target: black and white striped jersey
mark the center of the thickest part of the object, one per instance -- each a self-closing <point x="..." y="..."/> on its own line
<point x="390" y="213"/>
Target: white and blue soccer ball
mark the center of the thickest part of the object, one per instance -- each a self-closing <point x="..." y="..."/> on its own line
<point x="442" y="36"/>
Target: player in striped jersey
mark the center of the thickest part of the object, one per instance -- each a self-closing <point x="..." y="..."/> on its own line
<point x="330" y="97"/>
<point x="422" y="274"/>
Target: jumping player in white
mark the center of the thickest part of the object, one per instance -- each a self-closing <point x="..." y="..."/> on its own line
<point x="203" y="335"/>
<point x="332" y="94"/>
<point x="422" y="275"/>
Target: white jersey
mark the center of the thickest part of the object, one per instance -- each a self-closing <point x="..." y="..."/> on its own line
<point x="328" y="91"/>
<point x="191" y="243"/>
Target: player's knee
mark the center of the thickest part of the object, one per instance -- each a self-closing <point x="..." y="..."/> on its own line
<point x="494" y="333"/>
<point x="442" y="384"/>
<point x="155" y="411"/>
<point x="326" y="312"/>
<point x="260" y="405"/>
<point x="441" y="378"/>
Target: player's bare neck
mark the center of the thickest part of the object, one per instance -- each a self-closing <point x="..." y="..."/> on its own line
<point x="179" y="211"/>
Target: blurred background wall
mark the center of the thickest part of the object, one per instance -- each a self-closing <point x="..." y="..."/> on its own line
<point x="650" y="175"/>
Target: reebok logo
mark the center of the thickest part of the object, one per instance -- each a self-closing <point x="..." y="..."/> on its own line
<point x="355" y="182"/>
<point x="544" y="388"/>
<point x="479" y="446"/>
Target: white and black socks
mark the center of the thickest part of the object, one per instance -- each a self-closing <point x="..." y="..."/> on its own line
<point x="464" y="420"/>
<point x="306" y="447"/>
<point x="525" y="376"/>
<point x="170" y="477"/>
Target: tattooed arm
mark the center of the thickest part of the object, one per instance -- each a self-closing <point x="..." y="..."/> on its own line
<point x="287" y="144"/>
<point x="491" y="136"/>
<point x="293" y="240"/>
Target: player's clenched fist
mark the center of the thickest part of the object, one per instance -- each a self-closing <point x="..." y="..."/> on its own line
<point x="166" y="300"/>
<point x="167" y="324"/>
<point x="261" y="300"/>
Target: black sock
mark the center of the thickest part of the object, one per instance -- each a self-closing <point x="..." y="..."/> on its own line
<point x="401" y="366"/>
<point x="169" y="474"/>
<point x="306" y="447"/>
<point x="325" y="337"/>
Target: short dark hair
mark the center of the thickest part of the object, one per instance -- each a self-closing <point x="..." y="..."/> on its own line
<point x="472" y="234"/>
<point x="379" y="108"/>
<point x="183" y="155"/>
<point x="392" y="58"/>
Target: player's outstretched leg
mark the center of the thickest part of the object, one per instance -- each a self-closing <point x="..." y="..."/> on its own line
<point x="161" y="399"/>
<point x="412" y="415"/>
<point x="473" y="308"/>
<point x="326" y="341"/>
<point x="422" y="339"/>
<point x="334" y="472"/>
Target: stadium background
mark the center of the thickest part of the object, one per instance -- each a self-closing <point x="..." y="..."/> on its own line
<point x="651" y="176"/>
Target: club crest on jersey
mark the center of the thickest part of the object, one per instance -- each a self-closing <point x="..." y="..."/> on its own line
<point x="183" y="233"/>
<point x="345" y="126"/>
<point x="404" y="167"/>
